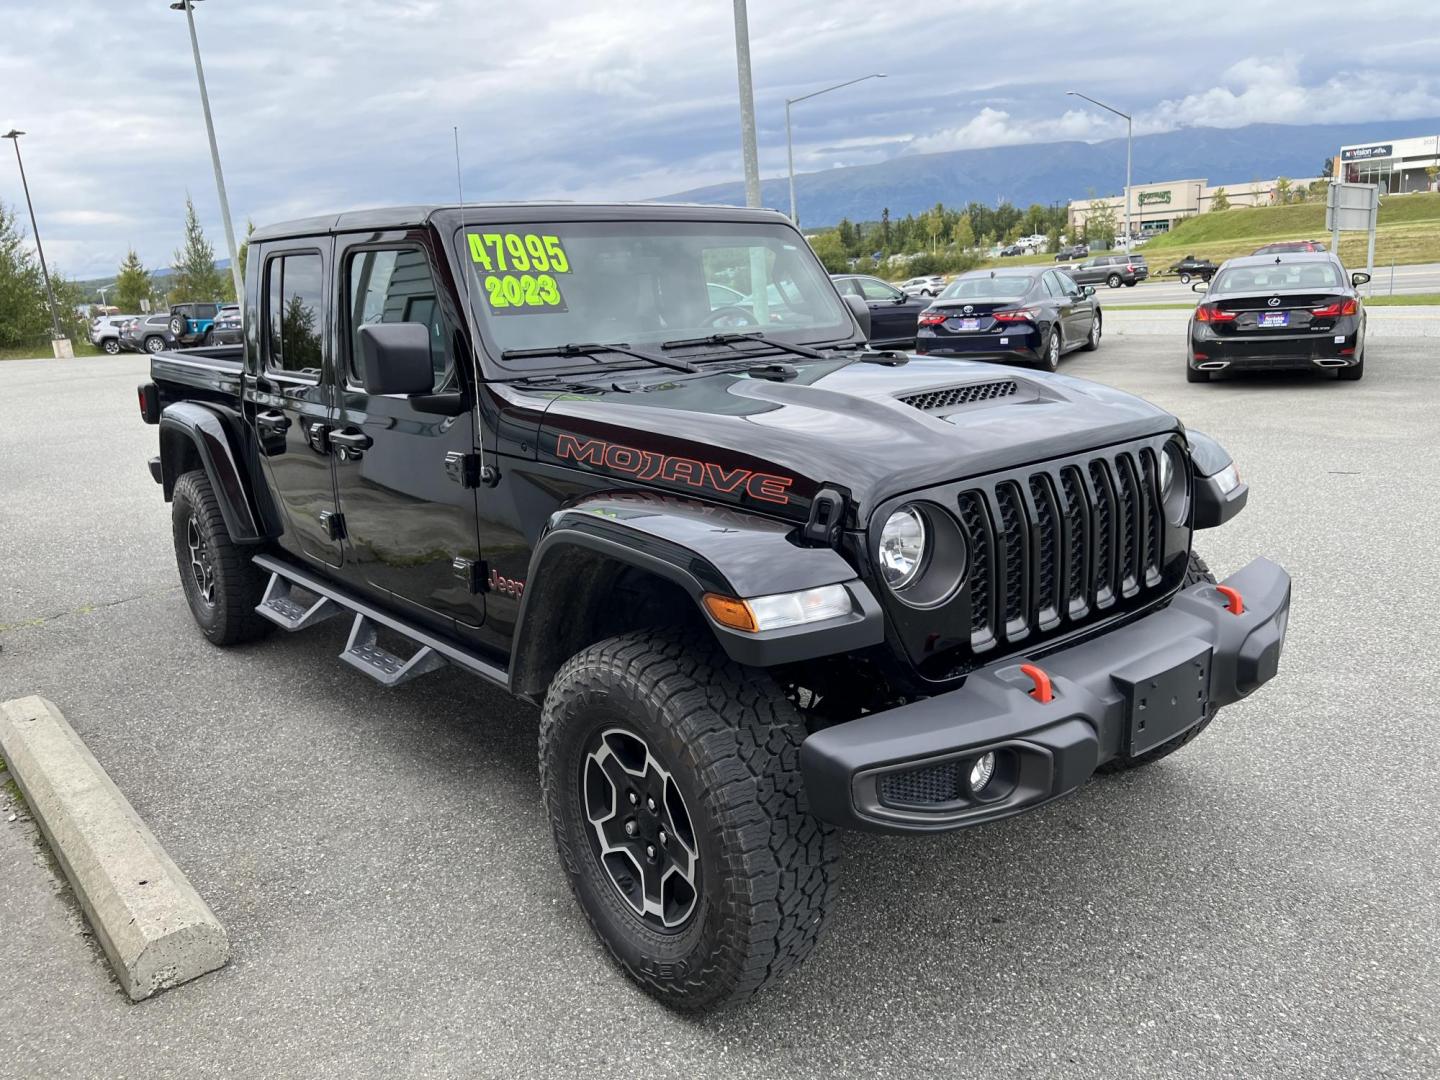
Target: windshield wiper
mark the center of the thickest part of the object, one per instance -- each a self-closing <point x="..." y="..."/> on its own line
<point x="590" y="348"/>
<point x="736" y="337"/>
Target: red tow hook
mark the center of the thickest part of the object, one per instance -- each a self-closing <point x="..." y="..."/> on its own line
<point x="1042" y="691"/>
<point x="1233" y="603"/>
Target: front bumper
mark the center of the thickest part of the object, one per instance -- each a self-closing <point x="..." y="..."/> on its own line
<point x="1122" y="692"/>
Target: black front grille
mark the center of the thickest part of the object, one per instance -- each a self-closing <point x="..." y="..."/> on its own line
<point x="954" y="396"/>
<point x="929" y="786"/>
<point x="1063" y="544"/>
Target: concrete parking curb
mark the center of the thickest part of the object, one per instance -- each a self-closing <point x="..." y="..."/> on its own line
<point x="155" y="928"/>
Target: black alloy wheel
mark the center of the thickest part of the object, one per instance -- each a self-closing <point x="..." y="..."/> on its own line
<point x="221" y="583"/>
<point x="641" y="832"/>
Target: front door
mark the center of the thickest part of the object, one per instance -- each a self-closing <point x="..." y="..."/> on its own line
<point x="894" y="316"/>
<point x="407" y="517"/>
<point x="290" y="400"/>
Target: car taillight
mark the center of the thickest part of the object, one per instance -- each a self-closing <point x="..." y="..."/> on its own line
<point x="1331" y="311"/>
<point x="1211" y="313"/>
<point x="930" y="318"/>
<point x="1018" y="315"/>
<point x="1129" y="269"/>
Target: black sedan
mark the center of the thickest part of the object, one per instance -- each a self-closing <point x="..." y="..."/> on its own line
<point x="893" y="315"/>
<point x="1277" y="312"/>
<point x="1029" y="314"/>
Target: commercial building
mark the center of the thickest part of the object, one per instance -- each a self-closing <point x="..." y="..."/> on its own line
<point x="1155" y="208"/>
<point x="1399" y="166"/>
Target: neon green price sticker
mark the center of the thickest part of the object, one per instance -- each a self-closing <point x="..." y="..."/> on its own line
<point x="518" y="270"/>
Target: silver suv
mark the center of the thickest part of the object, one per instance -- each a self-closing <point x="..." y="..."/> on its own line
<point x="105" y="331"/>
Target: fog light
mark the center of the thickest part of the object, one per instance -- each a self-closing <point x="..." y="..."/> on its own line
<point x="981" y="772"/>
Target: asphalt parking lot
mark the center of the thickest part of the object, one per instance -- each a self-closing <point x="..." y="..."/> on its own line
<point x="1265" y="903"/>
<point x="1167" y="289"/>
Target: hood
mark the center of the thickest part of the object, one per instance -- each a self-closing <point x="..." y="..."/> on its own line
<point x="876" y="430"/>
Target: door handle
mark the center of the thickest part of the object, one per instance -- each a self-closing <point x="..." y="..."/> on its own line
<point x="349" y="445"/>
<point x="275" y="421"/>
<point x="353" y="440"/>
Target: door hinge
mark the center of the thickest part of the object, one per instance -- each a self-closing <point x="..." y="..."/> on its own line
<point x="463" y="468"/>
<point x="473" y="572"/>
<point x="332" y="523"/>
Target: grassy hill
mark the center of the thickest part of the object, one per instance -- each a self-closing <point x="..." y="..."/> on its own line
<point x="1408" y="231"/>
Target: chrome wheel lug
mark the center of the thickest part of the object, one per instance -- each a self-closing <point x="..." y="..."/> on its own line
<point x="650" y="850"/>
<point x="663" y="837"/>
<point x="629" y="828"/>
<point x="650" y="804"/>
<point x="634" y="798"/>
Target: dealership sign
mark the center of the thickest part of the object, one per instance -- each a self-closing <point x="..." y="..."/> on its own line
<point x="1147" y="197"/>
<point x="1365" y="153"/>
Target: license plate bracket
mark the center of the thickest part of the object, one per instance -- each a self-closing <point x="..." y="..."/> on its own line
<point x="967" y="324"/>
<point x="1166" y="694"/>
<point x="1274" y="318"/>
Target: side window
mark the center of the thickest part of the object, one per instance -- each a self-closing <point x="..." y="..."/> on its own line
<point x="205" y="311"/>
<point x="1067" y="284"/>
<point x="392" y="286"/>
<point x="1052" y="283"/>
<point x="293" y="314"/>
<point x="877" y="290"/>
<point x="847" y="287"/>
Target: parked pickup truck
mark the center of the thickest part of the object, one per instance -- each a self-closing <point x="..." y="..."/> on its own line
<point x="761" y="580"/>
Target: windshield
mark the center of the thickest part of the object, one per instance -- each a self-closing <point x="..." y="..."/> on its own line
<point x="1000" y="287"/>
<point x="1315" y="275"/>
<point x="538" y="286"/>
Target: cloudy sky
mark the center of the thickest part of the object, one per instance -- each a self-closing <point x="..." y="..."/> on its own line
<point x="331" y="104"/>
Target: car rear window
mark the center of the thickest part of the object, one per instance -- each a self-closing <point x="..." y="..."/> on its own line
<point x="999" y="287"/>
<point x="1319" y="275"/>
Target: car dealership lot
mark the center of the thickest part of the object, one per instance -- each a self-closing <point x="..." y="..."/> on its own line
<point x="1262" y="904"/>
<point x="1167" y="289"/>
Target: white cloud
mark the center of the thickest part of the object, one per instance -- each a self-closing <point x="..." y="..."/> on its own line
<point x="996" y="127"/>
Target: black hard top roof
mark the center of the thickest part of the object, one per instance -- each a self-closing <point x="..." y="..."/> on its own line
<point x="405" y="217"/>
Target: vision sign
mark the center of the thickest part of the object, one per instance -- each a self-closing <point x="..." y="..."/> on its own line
<point x="1366" y="153"/>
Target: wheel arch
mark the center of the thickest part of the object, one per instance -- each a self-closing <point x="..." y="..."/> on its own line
<point x="625" y="561"/>
<point x="194" y="436"/>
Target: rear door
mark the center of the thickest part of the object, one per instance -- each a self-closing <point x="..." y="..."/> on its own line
<point x="407" y="517"/>
<point x="894" y="316"/>
<point x="290" y="400"/>
<point x="1075" y="307"/>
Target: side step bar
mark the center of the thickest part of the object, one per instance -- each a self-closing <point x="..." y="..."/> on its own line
<point x="362" y="651"/>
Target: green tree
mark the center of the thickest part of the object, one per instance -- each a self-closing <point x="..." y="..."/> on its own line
<point x="195" y="277"/>
<point x="1052" y="240"/>
<point x="24" y="319"/>
<point x="132" y="284"/>
<point x="1220" y="200"/>
<point x="1432" y="172"/>
<point x="885" y="230"/>
<point x="831" y="252"/>
<point x="1283" y="192"/>
<point x="1100" y="223"/>
<point x="1328" y="169"/>
<point x="935" y="224"/>
<point x="962" y="233"/>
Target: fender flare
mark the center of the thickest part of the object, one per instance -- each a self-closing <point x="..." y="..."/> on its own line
<point x="700" y="548"/>
<point x="205" y="430"/>
<point x="1213" y="507"/>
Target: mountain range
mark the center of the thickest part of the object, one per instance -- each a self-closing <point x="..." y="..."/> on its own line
<point x="1047" y="173"/>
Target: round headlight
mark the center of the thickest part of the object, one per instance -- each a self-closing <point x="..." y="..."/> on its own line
<point x="1174" y="465"/>
<point x="1167" y="475"/>
<point x="902" y="547"/>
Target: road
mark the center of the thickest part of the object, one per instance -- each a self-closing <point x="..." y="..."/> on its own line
<point x="1263" y="904"/>
<point x="1419" y="278"/>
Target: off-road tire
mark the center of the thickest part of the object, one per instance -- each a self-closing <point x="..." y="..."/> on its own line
<point x="731" y="742"/>
<point x="228" y="617"/>
<point x="1195" y="573"/>
<point x="178" y="325"/>
<point x="1113" y="281"/>
<point x="1092" y="339"/>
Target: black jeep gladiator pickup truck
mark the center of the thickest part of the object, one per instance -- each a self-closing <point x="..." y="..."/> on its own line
<point x="762" y="580"/>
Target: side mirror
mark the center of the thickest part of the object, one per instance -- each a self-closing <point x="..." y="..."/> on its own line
<point x="1089" y="290"/>
<point x="861" y="311"/>
<point x="1359" y="278"/>
<point x="1200" y="286"/>
<point x="901" y="298"/>
<point x="396" y="358"/>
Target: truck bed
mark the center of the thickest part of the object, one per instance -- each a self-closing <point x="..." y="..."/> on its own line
<point x="212" y="372"/>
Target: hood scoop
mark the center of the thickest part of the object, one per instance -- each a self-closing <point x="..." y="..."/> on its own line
<point x="954" y="396"/>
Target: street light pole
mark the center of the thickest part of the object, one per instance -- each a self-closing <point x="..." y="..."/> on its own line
<point x="1129" y="140"/>
<point x="187" y="6"/>
<point x="789" y="141"/>
<point x="14" y="136"/>
<point x="747" y="106"/>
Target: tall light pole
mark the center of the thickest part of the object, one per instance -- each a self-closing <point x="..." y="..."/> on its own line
<point x="790" y="143"/>
<point x="187" y="6"/>
<point x="747" y="106"/>
<point x="1129" y="139"/>
<point x="14" y="136"/>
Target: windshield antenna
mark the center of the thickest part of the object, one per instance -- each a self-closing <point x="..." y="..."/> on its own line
<point x="460" y="191"/>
